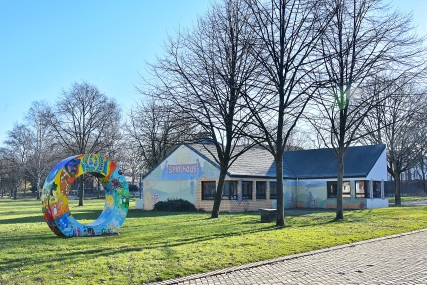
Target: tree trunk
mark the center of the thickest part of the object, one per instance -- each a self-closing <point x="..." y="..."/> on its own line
<point x="280" y="220"/>
<point x="15" y="192"/>
<point x="11" y="185"/>
<point x="38" y="187"/>
<point x="397" y="200"/>
<point x="340" y="178"/>
<point x="99" y="188"/>
<point x="423" y="174"/>
<point x="218" y="195"/>
<point x="424" y="184"/>
<point x="140" y="186"/>
<point x="82" y="190"/>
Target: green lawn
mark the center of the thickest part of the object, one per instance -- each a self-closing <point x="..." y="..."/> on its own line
<point x="157" y="246"/>
<point x="408" y="199"/>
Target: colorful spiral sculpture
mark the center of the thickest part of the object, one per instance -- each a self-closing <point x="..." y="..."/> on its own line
<point x="57" y="186"/>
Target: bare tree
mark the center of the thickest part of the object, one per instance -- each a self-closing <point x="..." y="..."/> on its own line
<point x="30" y="147"/>
<point x="85" y="120"/>
<point x="205" y="73"/>
<point x="421" y="168"/>
<point x="16" y="155"/>
<point x="400" y="123"/>
<point x="8" y="172"/>
<point x="362" y="40"/>
<point x="152" y="132"/>
<point x="131" y="161"/>
<point x="4" y="177"/>
<point x="287" y="32"/>
<point x="42" y="154"/>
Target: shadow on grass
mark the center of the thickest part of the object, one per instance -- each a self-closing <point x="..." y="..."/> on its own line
<point x="157" y="240"/>
<point x="302" y="212"/>
<point x="87" y="214"/>
<point x="402" y="206"/>
<point x="93" y="214"/>
<point x="23" y="220"/>
<point x="133" y="213"/>
<point x="78" y="214"/>
<point x="82" y="254"/>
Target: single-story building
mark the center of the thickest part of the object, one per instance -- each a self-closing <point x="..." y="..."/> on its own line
<point x="189" y="172"/>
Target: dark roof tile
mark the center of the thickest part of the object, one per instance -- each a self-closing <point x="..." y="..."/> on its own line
<point x="323" y="163"/>
<point x="313" y="163"/>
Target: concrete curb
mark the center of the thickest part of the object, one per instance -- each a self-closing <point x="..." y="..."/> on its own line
<point x="276" y="260"/>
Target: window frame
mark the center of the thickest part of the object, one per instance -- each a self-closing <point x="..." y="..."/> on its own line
<point x="346" y="194"/>
<point x="331" y="189"/>
<point x="334" y="193"/>
<point x="376" y="189"/>
<point x="365" y="193"/>
<point x="273" y="195"/>
<point x="211" y="196"/>
<point x="232" y="194"/>
<point x="248" y="196"/>
<point x="258" y="196"/>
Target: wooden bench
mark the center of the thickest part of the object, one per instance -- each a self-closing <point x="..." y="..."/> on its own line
<point x="268" y="215"/>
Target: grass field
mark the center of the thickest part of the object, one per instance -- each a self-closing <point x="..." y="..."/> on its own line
<point x="154" y="246"/>
<point x="407" y="199"/>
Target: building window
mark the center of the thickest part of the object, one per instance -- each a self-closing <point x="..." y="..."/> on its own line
<point x="376" y="185"/>
<point x="261" y="190"/>
<point x="247" y="190"/>
<point x="362" y="189"/>
<point x="332" y="189"/>
<point x="208" y="190"/>
<point x="346" y="189"/>
<point x="229" y="192"/>
<point x="273" y="190"/>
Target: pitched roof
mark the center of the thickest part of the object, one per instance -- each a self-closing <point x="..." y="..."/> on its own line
<point x="256" y="162"/>
<point x="322" y="163"/>
<point x="313" y="163"/>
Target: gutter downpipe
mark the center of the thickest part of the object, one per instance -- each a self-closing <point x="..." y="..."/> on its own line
<point x="296" y="194"/>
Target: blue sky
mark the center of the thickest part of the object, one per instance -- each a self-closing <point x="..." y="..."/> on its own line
<point x="47" y="45"/>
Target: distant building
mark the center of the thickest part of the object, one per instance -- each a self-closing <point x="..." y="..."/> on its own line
<point x="189" y="172"/>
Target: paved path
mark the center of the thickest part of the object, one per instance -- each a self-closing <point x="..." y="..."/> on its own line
<point x="399" y="259"/>
<point x="416" y="203"/>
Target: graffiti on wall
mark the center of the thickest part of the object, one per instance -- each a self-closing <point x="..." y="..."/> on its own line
<point x="305" y="194"/>
<point x="313" y="194"/>
<point x="177" y="177"/>
<point x="183" y="168"/>
<point x="57" y="185"/>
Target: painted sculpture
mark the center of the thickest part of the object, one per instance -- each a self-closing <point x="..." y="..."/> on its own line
<point x="57" y="186"/>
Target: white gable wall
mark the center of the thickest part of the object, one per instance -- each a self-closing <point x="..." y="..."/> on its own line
<point x="379" y="171"/>
<point x="178" y="176"/>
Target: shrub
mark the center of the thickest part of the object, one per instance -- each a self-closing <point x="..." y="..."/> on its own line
<point x="174" y="205"/>
<point x="133" y="188"/>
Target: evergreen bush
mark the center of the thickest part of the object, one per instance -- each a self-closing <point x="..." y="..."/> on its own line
<point x="174" y="205"/>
